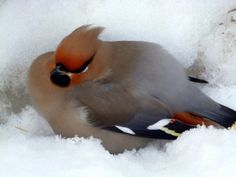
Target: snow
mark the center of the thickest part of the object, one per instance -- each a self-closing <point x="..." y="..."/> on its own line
<point x="201" y="34"/>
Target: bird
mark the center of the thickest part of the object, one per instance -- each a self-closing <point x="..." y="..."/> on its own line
<point x="125" y="93"/>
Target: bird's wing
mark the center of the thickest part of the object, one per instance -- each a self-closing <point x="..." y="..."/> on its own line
<point x="115" y="110"/>
<point x="156" y="122"/>
<point x="144" y="125"/>
<point x="164" y="127"/>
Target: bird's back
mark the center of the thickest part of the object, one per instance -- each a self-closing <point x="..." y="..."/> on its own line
<point x="144" y="79"/>
<point x="152" y="71"/>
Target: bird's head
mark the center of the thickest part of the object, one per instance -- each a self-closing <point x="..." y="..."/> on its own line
<point x="76" y="57"/>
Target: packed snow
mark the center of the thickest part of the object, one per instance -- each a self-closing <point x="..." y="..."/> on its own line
<point x="200" y="34"/>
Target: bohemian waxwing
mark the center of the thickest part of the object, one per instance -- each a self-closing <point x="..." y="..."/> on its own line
<point x="126" y="93"/>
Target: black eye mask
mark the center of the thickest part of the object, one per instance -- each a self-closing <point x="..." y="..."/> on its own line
<point x="59" y="75"/>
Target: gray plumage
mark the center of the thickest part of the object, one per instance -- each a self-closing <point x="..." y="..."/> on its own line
<point x="90" y="87"/>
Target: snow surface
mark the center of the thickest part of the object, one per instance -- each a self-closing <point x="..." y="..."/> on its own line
<point x="201" y="34"/>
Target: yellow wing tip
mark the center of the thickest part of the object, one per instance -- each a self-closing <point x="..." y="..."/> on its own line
<point x="233" y="127"/>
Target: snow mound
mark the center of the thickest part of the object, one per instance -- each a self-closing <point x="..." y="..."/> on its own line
<point x="200" y="152"/>
<point x="217" y="51"/>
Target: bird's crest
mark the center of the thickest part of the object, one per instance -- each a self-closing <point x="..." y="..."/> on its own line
<point x="78" y="47"/>
<point x="88" y="32"/>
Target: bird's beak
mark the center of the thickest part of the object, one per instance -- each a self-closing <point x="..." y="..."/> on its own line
<point x="59" y="77"/>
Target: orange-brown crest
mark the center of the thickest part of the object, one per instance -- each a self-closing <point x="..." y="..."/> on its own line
<point x="78" y="47"/>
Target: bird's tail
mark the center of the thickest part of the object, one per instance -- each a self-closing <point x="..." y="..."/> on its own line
<point x="223" y="116"/>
